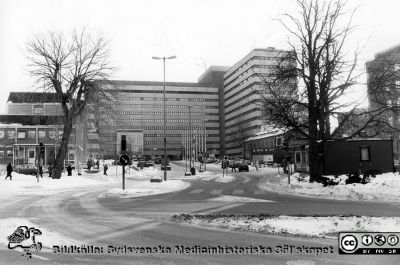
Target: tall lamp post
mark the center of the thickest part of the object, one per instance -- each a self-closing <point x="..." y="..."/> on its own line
<point x="165" y="136"/>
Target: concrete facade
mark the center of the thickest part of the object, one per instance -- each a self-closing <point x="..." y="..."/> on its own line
<point x="383" y="82"/>
<point x="138" y="105"/>
<point x="242" y="111"/>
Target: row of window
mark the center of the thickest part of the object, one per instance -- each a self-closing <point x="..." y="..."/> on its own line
<point x="167" y="113"/>
<point x="30" y="134"/>
<point x="267" y="143"/>
<point x="152" y="106"/>
<point x="273" y="59"/>
<point x="158" y="120"/>
<point x="169" y="99"/>
<point x="178" y="128"/>
<point x="162" y="142"/>
<point x="9" y="154"/>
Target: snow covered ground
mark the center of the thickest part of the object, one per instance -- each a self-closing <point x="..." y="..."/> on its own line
<point x="27" y="184"/>
<point x="145" y="188"/>
<point x="137" y="183"/>
<point x="326" y="226"/>
<point x="385" y="187"/>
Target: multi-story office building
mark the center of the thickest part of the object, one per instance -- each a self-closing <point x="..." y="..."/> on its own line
<point x="242" y="113"/>
<point x="383" y="80"/>
<point x="223" y="106"/>
<point x="139" y="114"/>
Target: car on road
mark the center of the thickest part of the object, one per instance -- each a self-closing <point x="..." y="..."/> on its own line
<point x="27" y="169"/>
<point x="239" y="164"/>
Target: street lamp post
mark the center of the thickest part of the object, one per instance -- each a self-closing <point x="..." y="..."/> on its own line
<point x="165" y="136"/>
<point x="190" y="138"/>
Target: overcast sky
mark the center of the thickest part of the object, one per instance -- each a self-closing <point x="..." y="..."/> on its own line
<point x="200" y="33"/>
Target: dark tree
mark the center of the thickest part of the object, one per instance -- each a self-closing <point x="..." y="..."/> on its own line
<point x="304" y="91"/>
<point x="73" y="68"/>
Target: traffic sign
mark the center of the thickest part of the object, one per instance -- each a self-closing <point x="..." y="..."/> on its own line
<point x="124" y="160"/>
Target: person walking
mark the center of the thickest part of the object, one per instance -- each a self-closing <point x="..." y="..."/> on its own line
<point x="69" y="170"/>
<point x="9" y="170"/>
<point x="50" y="168"/>
<point x="41" y="168"/>
<point x="105" y="169"/>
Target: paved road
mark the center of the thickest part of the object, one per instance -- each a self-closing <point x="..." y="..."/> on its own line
<point x="81" y="215"/>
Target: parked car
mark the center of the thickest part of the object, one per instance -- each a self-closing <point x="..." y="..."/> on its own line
<point x="149" y="163"/>
<point x="27" y="169"/>
<point x="168" y="167"/>
<point x="240" y="164"/>
<point x="141" y="163"/>
<point x="243" y="167"/>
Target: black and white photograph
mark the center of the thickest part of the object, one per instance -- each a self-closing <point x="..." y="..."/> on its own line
<point x="200" y="132"/>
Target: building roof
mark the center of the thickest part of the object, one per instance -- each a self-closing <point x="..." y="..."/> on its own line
<point x="211" y="69"/>
<point x="32" y="97"/>
<point x="388" y="51"/>
<point x="266" y="132"/>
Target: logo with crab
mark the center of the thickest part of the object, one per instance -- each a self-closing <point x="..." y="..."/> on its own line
<point x="25" y="238"/>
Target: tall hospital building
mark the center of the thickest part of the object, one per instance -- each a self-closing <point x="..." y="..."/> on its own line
<point x="223" y="104"/>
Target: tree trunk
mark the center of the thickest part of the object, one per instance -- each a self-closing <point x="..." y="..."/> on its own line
<point x="314" y="159"/>
<point x="63" y="150"/>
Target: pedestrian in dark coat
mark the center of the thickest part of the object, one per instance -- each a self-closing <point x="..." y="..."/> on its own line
<point x="105" y="169"/>
<point x="69" y="170"/>
<point x="50" y="168"/>
<point x="9" y="170"/>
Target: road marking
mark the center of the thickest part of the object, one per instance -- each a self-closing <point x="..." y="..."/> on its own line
<point x="237" y="192"/>
<point x="196" y="191"/>
<point x="258" y="192"/>
<point x="236" y="199"/>
<point x="216" y="192"/>
<point x="225" y="207"/>
<point x="245" y="179"/>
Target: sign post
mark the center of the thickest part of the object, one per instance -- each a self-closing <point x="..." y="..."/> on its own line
<point x="124" y="160"/>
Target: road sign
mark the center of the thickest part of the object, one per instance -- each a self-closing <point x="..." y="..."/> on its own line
<point x="124" y="160"/>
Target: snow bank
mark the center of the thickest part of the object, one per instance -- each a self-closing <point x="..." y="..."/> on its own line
<point x="384" y="187"/>
<point x="305" y="226"/>
<point x="27" y="184"/>
<point x="48" y="238"/>
<point x="145" y="188"/>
